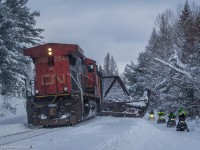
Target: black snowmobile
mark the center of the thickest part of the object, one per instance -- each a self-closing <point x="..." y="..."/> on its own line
<point x="161" y="120"/>
<point x="182" y="126"/>
<point x="171" y="122"/>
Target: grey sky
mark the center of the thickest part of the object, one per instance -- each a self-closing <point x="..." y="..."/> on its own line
<point x="121" y="27"/>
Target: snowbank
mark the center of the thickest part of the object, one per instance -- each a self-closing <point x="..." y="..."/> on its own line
<point x="13" y="123"/>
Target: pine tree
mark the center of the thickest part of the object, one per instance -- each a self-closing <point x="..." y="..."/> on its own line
<point x="106" y="65"/>
<point x="113" y="66"/>
<point x="185" y="33"/>
<point x="132" y="74"/>
<point x="110" y="65"/>
<point x="17" y="31"/>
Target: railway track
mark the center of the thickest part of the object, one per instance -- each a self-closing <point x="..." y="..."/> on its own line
<point x="8" y="139"/>
<point x="38" y="131"/>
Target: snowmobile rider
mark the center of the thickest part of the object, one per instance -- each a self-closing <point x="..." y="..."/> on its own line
<point x="182" y="113"/>
<point x="171" y="115"/>
<point x="151" y="112"/>
<point x="151" y="115"/>
<point x="161" y="113"/>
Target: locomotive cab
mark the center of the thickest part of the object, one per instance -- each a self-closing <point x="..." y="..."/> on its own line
<point x="66" y="86"/>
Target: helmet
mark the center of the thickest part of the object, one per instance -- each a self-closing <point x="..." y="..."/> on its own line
<point x="181" y="109"/>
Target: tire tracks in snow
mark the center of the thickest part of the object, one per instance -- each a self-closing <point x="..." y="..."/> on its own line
<point x="145" y="135"/>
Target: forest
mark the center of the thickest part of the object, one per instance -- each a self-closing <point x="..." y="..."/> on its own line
<point x="170" y="64"/>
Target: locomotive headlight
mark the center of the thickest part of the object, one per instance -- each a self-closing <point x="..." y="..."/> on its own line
<point x="36" y="91"/>
<point x="65" y="89"/>
<point x="50" y="51"/>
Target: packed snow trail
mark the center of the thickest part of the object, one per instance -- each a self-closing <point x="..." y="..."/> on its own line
<point x="146" y="136"/>
<point x="110" y="133"/>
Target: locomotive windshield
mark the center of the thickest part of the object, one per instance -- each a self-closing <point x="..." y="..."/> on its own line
<point x="72" y="60"/>
<point x="90" y="68"/>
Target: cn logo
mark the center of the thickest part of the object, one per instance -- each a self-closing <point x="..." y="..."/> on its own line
<point x="51" y="79"/>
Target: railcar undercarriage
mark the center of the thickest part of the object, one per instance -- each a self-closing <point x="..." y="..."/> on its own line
<point x="59" y="110"/>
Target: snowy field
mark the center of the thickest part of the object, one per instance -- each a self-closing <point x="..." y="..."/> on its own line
<point x="104" y="133"/>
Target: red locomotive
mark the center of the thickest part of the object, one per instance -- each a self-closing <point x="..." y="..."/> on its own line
<point x="67" y="85"/>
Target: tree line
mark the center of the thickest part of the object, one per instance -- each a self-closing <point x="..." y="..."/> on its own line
<point x="170" y="65"/>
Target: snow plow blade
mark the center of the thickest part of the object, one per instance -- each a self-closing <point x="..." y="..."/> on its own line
<point x="121" y="108"/>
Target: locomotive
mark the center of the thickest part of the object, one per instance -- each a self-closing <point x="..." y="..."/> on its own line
<point x="67" y="85"/>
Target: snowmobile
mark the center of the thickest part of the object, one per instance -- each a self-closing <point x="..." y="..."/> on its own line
<point x="161" y="119"/>
<point x="182" y="126"/>
<point x="171" y="122"/>
<point x="151" y="117"/>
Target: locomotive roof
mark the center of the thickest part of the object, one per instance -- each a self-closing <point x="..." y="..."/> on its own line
<point x="57" y="49"/>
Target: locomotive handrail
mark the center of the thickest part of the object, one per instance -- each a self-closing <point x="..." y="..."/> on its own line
<point x="79" y="86"/>
<point x="81" y="89"/>
<point x="82" y="82"/>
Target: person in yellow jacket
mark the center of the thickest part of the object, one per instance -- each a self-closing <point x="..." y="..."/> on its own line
<point x="161" y="117"/>
<point x="182" y="125"/>
<point x="151" y="115"/>
<point x="182" y="113"/>
<point x="161" y="113"/>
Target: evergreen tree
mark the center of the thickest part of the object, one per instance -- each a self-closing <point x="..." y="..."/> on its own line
<point x="185" y="30"/>
<point x="110" y="66"/>
<point x="106" y="65"/>
<point x="17" y="31"/>
<point x="113" y="66"/>
<point x="132" y="75"/>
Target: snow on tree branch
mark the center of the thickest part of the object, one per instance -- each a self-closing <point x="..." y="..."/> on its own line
<point x="187" y="74"/>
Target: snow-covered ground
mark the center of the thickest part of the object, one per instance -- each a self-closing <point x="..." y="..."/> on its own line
<point x="11" y="123"/>
<point x="105" y="133"/>
<point x="110" y="133"/>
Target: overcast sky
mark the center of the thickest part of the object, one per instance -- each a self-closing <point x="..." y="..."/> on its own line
<point x="121" y="27"/>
